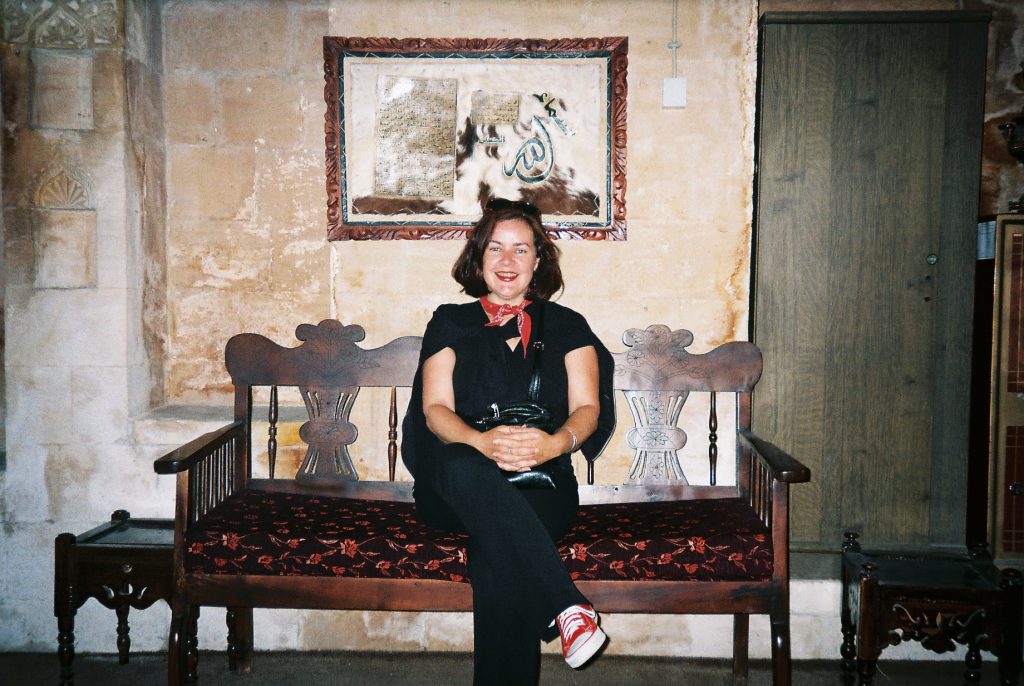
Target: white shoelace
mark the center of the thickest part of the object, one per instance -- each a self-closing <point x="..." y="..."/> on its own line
<point x="571" y="619"/>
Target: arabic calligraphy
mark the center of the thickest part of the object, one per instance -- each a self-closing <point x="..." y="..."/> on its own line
<point x="535" y="158"/>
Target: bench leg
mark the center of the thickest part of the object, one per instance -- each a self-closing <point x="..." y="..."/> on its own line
<point x="781" y="665"/>
<point x="866" y="671"/>
<point x="240" y="639"/>
<point x="174" y="649"/>
<point x="740" y="650"/>
<point x="190" y="640"/>
<point x="66" y="648"/>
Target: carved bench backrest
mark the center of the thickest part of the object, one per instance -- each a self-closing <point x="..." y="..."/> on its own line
<point x="328" y="369"/>
<point x="656" y="375"/>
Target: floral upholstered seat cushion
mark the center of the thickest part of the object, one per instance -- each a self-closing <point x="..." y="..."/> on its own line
<point x="288" y="534"/>
<point x="707" y="540"/>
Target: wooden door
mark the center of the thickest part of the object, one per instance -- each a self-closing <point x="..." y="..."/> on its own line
<point x="869" y="131"/>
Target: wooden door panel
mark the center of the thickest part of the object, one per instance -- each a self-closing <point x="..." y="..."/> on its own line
<point x="854" y="143"/>
<point x="792" y="266"/>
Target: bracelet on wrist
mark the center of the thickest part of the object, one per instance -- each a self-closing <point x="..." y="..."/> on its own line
<point x="575" y="441"/>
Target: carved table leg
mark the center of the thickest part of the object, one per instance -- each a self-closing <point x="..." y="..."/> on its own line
<point x="868" y="645"/>
<point x="972" y="664"/>
<point x="124" y="641"/>
<point x="848" y="650"/>
<point x="1012" y="631"/>
<point x="64" y="605"/>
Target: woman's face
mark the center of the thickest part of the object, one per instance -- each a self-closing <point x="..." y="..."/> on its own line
<point x="510" y="259"/>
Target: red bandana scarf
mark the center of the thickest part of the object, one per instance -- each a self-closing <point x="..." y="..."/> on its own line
<point x="497" y="314"/>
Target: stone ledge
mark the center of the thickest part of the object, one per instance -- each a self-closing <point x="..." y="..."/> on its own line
<point x="176" y="424"/>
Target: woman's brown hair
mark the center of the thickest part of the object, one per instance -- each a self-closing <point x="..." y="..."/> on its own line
<point x="468" y="268"/>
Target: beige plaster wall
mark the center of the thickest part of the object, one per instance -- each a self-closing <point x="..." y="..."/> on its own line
<point x="246" y="210"/>
<point x="246" y="248"/>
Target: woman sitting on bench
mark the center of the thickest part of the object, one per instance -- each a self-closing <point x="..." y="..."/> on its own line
<point x="478" y="354"/>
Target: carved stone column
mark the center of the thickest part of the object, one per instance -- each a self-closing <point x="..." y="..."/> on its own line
<point x="76" y="187"/>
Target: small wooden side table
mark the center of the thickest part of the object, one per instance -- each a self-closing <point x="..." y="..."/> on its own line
<point x="938" y="600"/>
<point x="124" y="563"/>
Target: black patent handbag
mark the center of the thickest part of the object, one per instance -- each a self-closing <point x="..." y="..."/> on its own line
<point x="530" y="412"/>
<point x="521" y="413"/>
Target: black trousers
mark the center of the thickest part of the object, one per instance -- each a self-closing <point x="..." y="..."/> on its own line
<point x="519" y="582"/>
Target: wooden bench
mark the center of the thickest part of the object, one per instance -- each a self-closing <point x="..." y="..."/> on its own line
<point x="327" y="540"/>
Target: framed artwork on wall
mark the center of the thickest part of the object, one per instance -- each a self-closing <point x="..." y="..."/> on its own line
<point x="421" y="133"/>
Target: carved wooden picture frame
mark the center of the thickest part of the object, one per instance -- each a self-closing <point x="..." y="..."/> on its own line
<point x="421" y="132"/>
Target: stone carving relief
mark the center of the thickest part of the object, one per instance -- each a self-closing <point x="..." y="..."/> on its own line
<point x="64" y="229"/>
<point x="65" y="188"/>
<point x="62" y="23"/>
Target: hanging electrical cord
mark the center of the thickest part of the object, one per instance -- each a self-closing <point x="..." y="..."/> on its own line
<point x="673" y="88"/>
<point x="674" y="45"/>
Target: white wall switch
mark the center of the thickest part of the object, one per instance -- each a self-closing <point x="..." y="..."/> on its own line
<point x="673" y="92"/>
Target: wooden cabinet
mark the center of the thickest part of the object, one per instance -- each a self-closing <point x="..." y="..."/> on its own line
<point x="866" y="196"/>
<point x="1007" y="437"/>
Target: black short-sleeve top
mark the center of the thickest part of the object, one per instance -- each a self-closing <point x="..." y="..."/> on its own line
<point x="487" y="370"/>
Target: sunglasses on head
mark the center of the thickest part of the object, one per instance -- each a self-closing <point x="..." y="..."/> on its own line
<point x="495" y="204"/>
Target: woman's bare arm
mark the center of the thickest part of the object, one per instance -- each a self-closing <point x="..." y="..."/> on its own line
<point x="584" y="407"/>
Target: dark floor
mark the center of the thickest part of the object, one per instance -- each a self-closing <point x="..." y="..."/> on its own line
<point x="442" y="669"/>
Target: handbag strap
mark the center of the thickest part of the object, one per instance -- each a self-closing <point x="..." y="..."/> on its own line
<point x="538" y="350"/>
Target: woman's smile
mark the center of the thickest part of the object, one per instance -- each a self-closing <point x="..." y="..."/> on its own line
<point x="510" y="259"/>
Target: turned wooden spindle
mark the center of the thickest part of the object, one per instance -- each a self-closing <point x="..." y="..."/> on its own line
<point x="272" y="431"/>
<point x="392" y="435"/>
<point x="713" y="438"/>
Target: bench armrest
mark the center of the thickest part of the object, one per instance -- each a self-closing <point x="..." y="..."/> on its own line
<point x="783" y="466"/>
<point x="183" y="458"/>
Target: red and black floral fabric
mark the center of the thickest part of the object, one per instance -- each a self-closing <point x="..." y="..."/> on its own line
<point x="288" y="534"/>
<point x="713" y="540"/>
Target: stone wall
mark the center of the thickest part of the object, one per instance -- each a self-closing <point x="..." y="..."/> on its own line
<point x="246" y="213"/>
<point x="82" y="202"/>
<point x="163" y="189"/>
